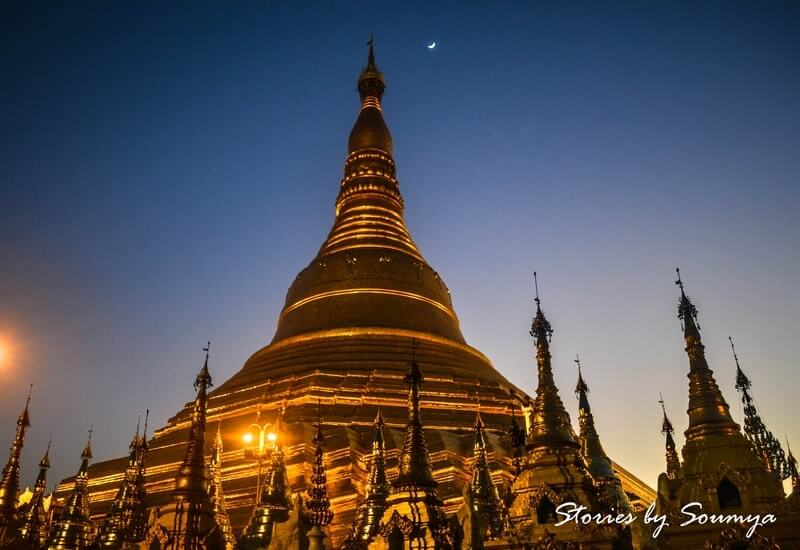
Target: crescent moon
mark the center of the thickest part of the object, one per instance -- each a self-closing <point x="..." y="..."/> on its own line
<point x="431" y="45"/>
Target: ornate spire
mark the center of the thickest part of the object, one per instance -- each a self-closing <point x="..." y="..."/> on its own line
<point x="516" y="435"/>
<point x="216" y="494"/>
<point x="592" y="449"/>
<point x="369" y="272"/>
<point x="376" y="490"/>
<point x="415" y="463"/>
<point x="318" y="505"/>
<point x="127" y="519"/>
<point x="74" y="527"/>
<point x="485" y="498"/>
<point x="550" y="422"/>
<point x="792" y="463"/>
<point x="192" y="508"/>
<point x="369" y="208"/>
<point x="34" y="528"/>
<point x="708" y="410"/>
<point x="610" y="488"/>
<point x="765" y="444"/>
<point x="191" y="479"/>
<point x="274" y="503"/>
<point x="673" y="462"/>
<point x="9" y="486"/>
<point x="370" y="131"/>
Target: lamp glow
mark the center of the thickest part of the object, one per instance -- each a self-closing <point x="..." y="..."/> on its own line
<point x="248" y="437"/>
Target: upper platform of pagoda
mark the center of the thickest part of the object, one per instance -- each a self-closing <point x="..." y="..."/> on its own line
<point x="369" y="272"/>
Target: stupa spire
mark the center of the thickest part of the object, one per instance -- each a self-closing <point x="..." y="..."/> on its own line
<point x="673" y="461"/>
<point x="34" y="527"/>
<point x="376" y="490"/>
<point x="415" y="462"/>
<point x="483" y="491"/>
<point x="369" y="272"/>
<point x="793" y="472"/>
<point x="127" y="519"/>
<point x="216" y="494"/>
<point x="318" y="505"/>
<point x="9" y="485"/>
<point x="765" y="444"/>
<point x="191" y="480"/>
<point x="73" y="529"/>
<point x="550" y="422"/>
<point x="708" y="410"/>
<point x="192" y="517"/>
<point x="592" y="449"/>
<point x="609" y="485"/>
<point x="517" y="437"/>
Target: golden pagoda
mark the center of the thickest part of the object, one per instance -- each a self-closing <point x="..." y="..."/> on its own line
<point x="722" y="472"/>
<point x="343" y="339"/>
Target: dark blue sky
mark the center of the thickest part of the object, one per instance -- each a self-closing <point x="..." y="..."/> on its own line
<point x="167" y="168"/>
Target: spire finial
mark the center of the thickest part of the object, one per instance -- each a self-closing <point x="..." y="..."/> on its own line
<point x="45" y="461"/>
<point x="666" y="425"/>
<point x="541" y="330"/>
<point x="25" y="418"/>
<point x="581" y="389"/>
<point x="371" y="44"/>
<point x="733" y="349"/>
<point x="686" y="310"/>
<point x="87" y="451"/>
<point x="742" y="381"/>
<point x="146" y="418"/>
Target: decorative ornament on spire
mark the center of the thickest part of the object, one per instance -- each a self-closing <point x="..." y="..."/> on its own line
<point x="371" y="83"/>
<point x="415" y="465"/>
<point x="318" y="505"/>
<point x="765" y="444"/>
<point x="581" y="389"/>
<point x="9" y="485"/>
<point x="541" y="330"/>
<point x="687" y="313"/>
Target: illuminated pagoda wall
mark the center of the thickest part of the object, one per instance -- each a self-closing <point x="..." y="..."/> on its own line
<point x="344" y="342"/>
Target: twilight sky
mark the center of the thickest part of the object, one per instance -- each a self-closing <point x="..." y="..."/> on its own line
<point x="166" y="169"/>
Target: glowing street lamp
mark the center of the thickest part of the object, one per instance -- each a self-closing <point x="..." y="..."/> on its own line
<point x="260" y="450"/>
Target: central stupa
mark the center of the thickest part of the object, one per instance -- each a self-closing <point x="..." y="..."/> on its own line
<point x="343" y="343"/>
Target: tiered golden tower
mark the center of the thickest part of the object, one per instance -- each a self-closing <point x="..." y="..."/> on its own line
<point x="360" y="325"/>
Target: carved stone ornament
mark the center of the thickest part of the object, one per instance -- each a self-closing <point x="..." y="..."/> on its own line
<point x="735" y="538"/>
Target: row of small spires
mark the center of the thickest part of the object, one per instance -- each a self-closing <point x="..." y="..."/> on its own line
<point x="414" y="468"/>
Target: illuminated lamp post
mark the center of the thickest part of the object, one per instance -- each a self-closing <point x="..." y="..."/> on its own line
<point x="259" y="450"/>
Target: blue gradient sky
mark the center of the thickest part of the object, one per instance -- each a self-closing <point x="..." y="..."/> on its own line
<point x="166" y="170"/>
